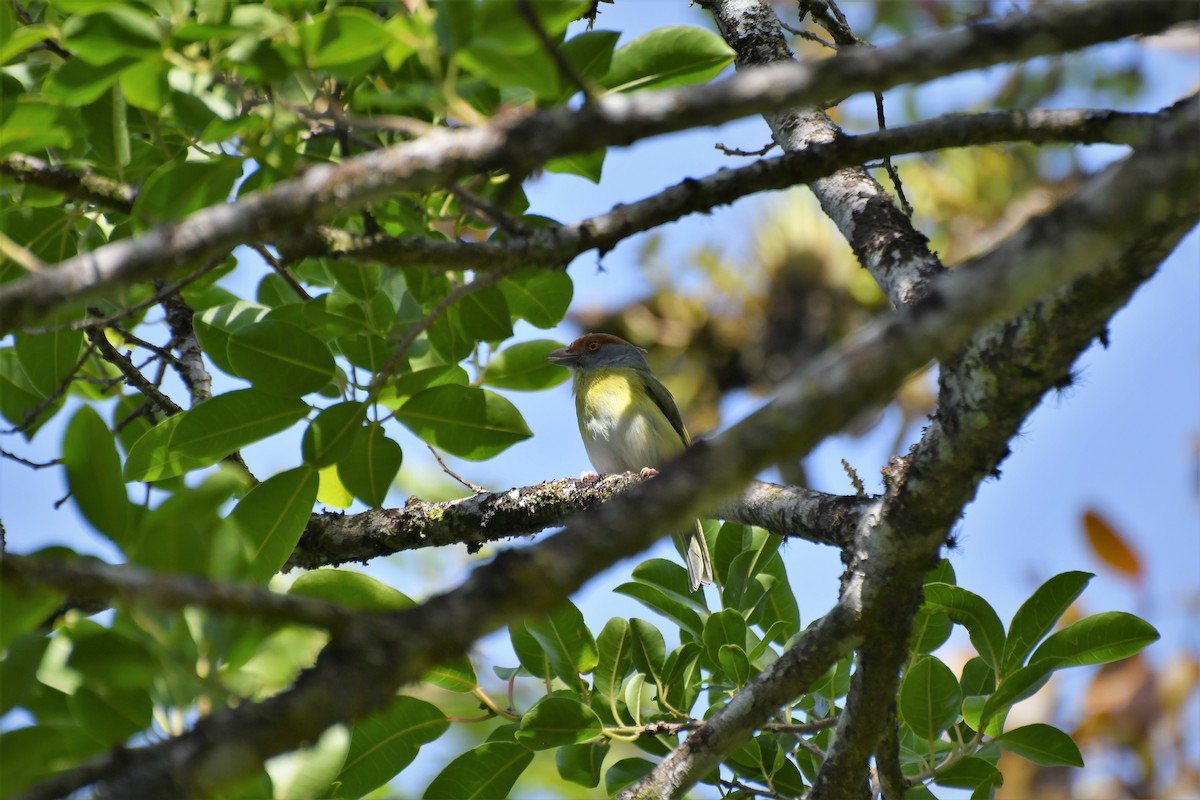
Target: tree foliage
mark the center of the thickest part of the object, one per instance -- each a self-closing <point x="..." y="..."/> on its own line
<point x="226" y="224"/>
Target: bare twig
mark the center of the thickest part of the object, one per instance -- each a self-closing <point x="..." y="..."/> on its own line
<point x="474" y="487"/>
<point x="565" y="68"/>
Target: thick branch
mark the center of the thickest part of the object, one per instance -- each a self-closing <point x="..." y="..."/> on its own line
<point x="361" y="669"/>
<point x="882" y="237"/>
<point x="89" y="581"/>
<point x="556" y="246"/>
<point x="474" y="521"/>
<point x="522" y="144"/>
<point x="79" y="184"/>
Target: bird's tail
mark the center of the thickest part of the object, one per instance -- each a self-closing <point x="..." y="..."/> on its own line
<point x="699" y="563"/>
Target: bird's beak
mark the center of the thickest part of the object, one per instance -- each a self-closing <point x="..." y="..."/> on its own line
<point x="562" y="356"/>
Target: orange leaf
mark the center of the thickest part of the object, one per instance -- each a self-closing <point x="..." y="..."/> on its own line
<point x="1111" y="547"/>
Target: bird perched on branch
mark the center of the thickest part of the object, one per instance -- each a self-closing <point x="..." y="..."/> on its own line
<point x="628" y="420"/>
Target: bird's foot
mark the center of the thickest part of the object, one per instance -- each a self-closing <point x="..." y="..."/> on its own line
<point x="589" y="476"/>
<point x="648" y="472"/>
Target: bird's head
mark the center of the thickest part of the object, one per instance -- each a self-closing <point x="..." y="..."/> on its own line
<point x="596" y="350"/>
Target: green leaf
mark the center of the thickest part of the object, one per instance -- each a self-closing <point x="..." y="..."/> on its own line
<point x="671" y="56"/>
<point x="215" y="428"/>
<point x="540" y="297"/>
<point x="531" y="655"/>
<point x="524" y="367"/>
<point x="1022" y="683"/>
<point x="385" y="743"/>
<point x="351" y="589"/>
<point x="581" y="763"/>
<point x="649" y="648"/>
<point x="557" y="721"/>
<point x="931" y="629"/>
<point x="725" y="627"/>
<point x="484" y="772"/>
<point x="48" y="358"/>
<point x="22" y="610"/>
<point x="567" y="642"/>
<point x="371" y="466"/>
<point x="929" y="698"/>
<point x="112" y="714"/>
<point x="417" y="381"/>
<point x="1037" y="616"/>
<point x="185" y="533"/>
<point x="94" y="475"/>
<point x="591" y="54"/>
<point x="1042" y="744"/>
<point x="969" y="773"/>
<point x="360" y="281"/>
<point x="176" y="189"/>
<point x="447" y="337"/>
<point x="111" y="660"/>
<point x="625" y="772"/>
<point x="1097" y="639"/>
<point x="214" y="326"/>
<point x="456" y="676"/>
<point x="657" y="600"/>
<point x="615" y="650"/>
<point x="115" y="31"/>
<point x="344" y="41"/>
<point x="18" y="398"/>
<point x="671" y="578"/>
<point x="972" y="612"/>
<point x="469" y="422"/>
<point x="272" y="516"/>
<point x="681" y="678"/>
<point x="485" y="316"/>
<point x="38" y="751"/>
<point x="585" y="165"/>
<point x="152" y="458"/>
<point x="331" y="435"/>
<point x="734" y="662"/>
<point x="280" y="359"/>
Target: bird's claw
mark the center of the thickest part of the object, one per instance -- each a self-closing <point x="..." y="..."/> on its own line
<point x="648" y="472"/>
<point x="589" y="476"/>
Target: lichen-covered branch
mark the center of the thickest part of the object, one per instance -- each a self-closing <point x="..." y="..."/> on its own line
<point x="332" y="538"/>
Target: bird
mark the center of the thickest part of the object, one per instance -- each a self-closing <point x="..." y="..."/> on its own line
<point x="629" y="421"/>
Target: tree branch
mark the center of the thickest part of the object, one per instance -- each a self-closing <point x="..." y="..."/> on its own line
<point x="89" y="582"/>
<point x="522" y="144"/>
<point x="556" y="246"/>
<point x="331" y="538"/>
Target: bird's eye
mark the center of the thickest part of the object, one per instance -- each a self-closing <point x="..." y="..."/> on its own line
<point x="593" y="346"/>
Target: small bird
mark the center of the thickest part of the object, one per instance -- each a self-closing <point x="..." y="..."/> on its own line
<point x="628" y="420"/>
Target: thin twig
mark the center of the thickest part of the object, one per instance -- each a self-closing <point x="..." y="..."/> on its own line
<point x="422" y="325"/>
<point x="28" y="463"/>
<point x="282" y="272"/>
<point x="32" y="414"/>
<point x="733" y="151"/>
<point x="905" y="206"/>
<point x="566" y="68"/>
<point x="474" y="487"/>
<point x="132" y="376"/>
